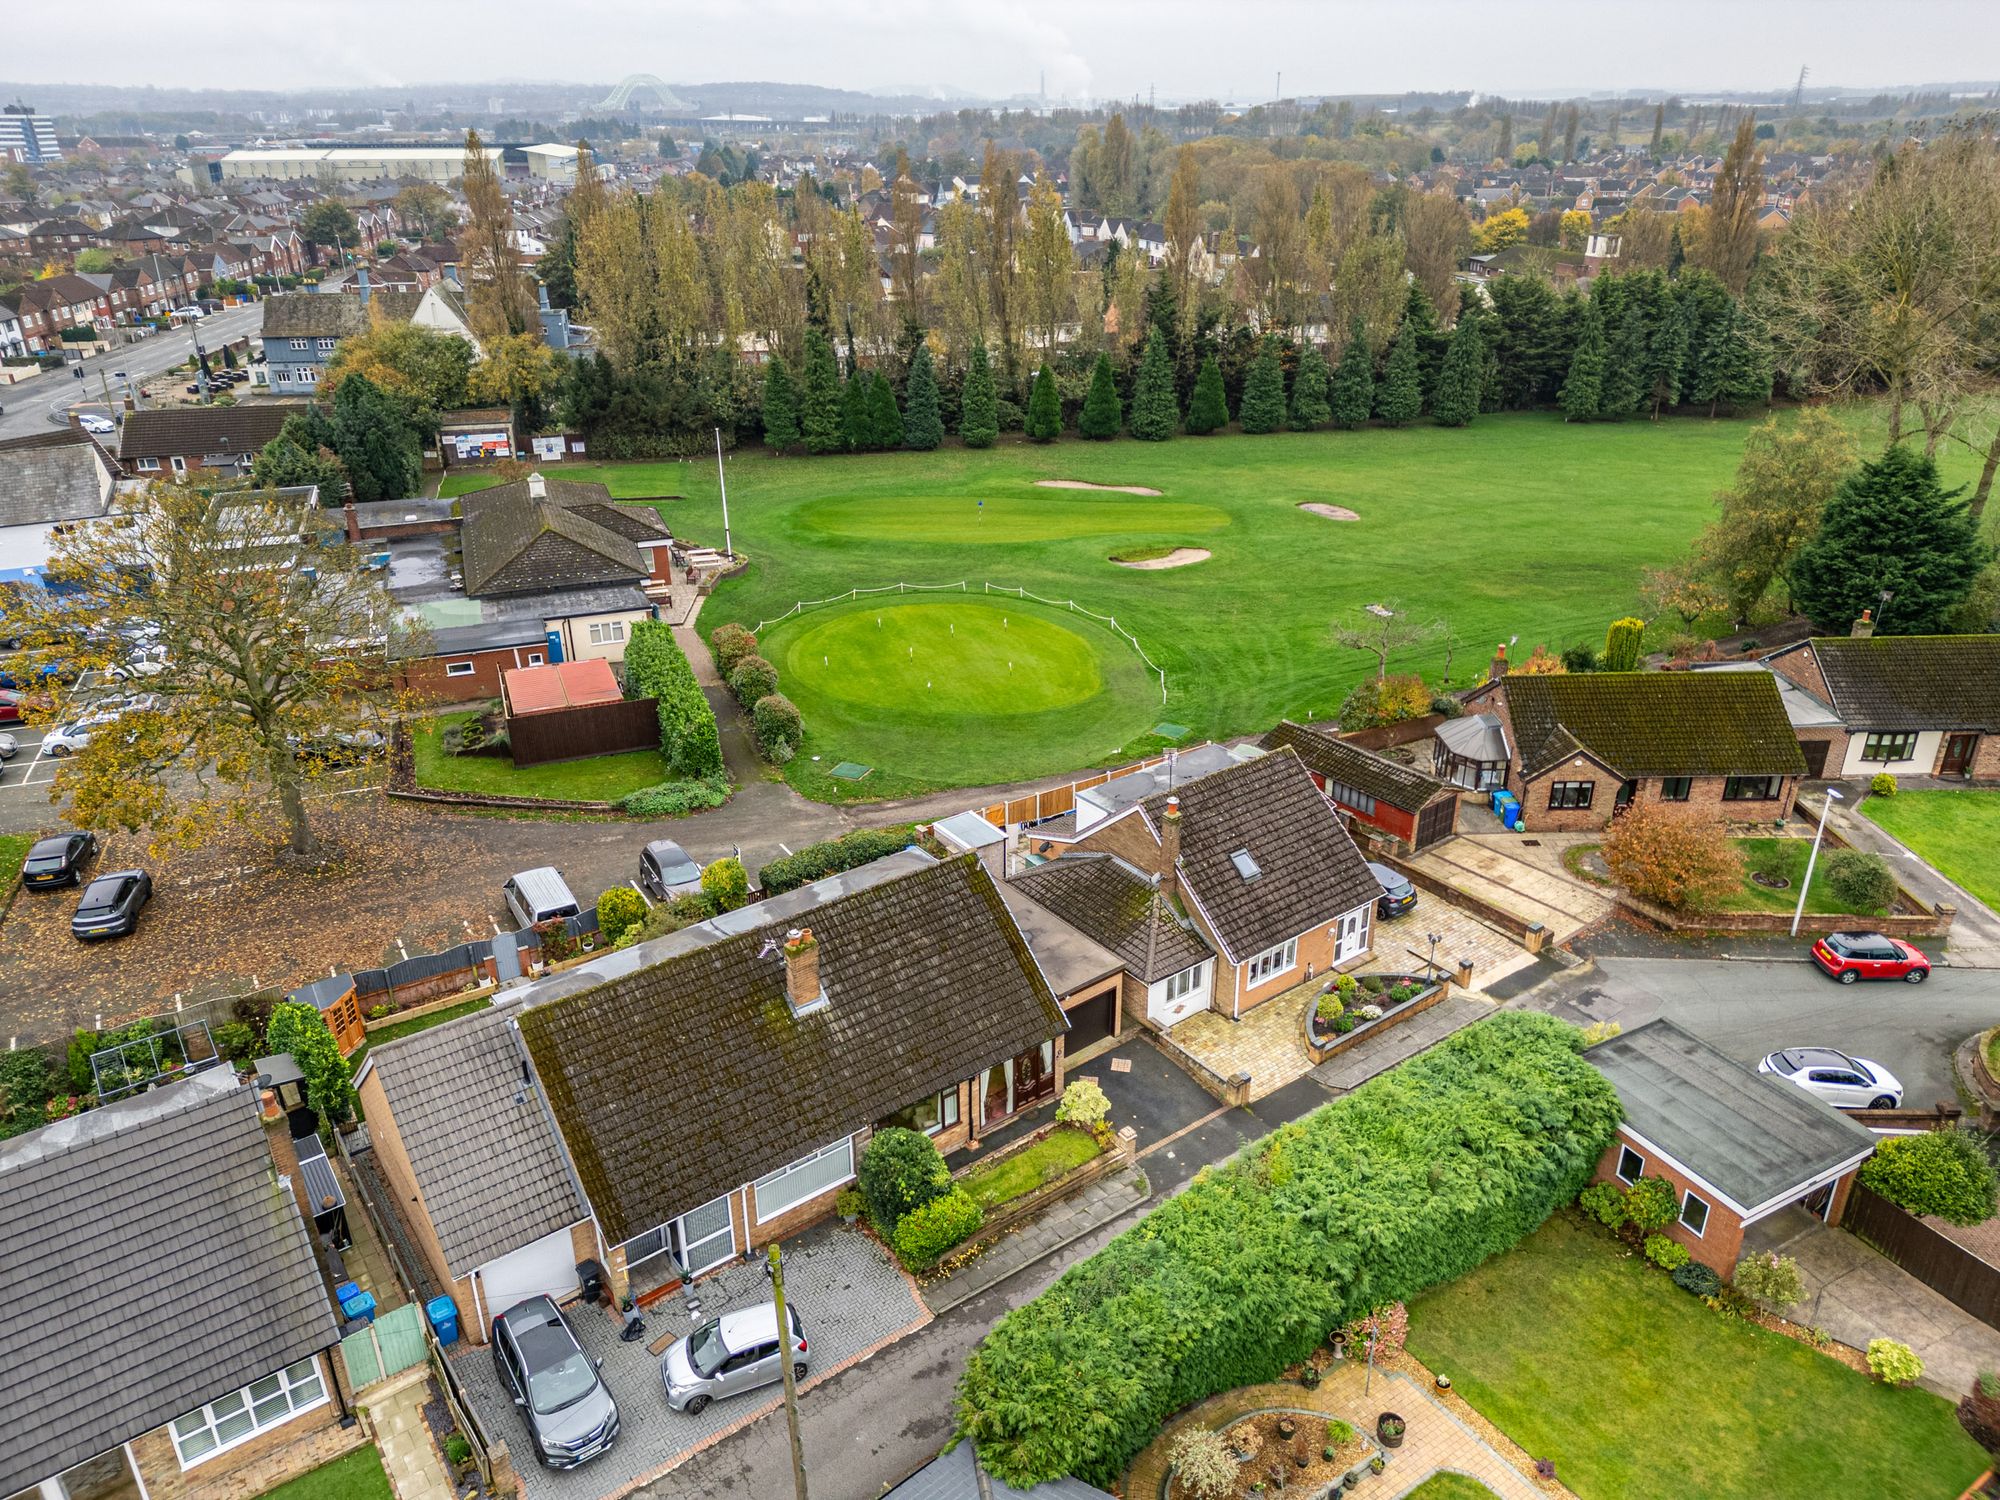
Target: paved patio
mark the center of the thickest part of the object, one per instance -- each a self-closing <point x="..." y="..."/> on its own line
<point x="1528" y="881"/>
<point x="849" y="1297"/>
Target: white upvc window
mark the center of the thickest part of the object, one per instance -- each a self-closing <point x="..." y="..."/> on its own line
<point x="1272" y="962"/>
<point x="1186" y="982"/>
<point x="1631" y="1165"/>
<point x="149" y="466"/>
<point x="324" y="346"/>
<point x="241" y="1415"/>
<point x="302" y="343"/>
<point x="1694" y="1215"/>
<point x="805" y="1178"/>
<point x="606" y="632"/>
<point x="459" y="669"/>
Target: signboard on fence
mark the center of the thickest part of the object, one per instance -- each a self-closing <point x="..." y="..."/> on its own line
<point x="549" y="449"/>
<point x="472" y="445"/>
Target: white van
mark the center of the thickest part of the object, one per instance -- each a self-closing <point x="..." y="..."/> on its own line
<point x="537" y="896"/>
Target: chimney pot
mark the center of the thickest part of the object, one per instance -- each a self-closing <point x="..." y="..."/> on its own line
<point x="1865" y="626"/>
<point x="1170" y="848"/>
<point x="803" y="990"/>
<point x="1498" y="667"/>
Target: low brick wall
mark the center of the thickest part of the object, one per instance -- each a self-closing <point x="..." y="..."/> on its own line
<point x="1923" y="923"/>
<point x="1123" y="1152"/>
<point x="1365" y="1029"/>
<point x="1231" y="1091"/>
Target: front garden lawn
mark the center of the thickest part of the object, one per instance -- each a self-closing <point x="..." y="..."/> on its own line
<point x="1582" y="1352"/>
<point x="1446" y="1485"/>
<point x="1785" y="857"/>
<point x="354" y="1476"/>
<point x="602" y="778"/>
<point x="1958" y="832"/>
<point x="1018" y="1175"/>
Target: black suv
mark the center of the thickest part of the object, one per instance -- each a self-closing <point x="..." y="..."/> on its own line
<point x="58" y="861"/>
<point x="110" y="905"/>
<point x="570" y="1415"/>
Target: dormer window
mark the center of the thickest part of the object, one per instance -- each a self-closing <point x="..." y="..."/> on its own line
<point x="1247" y="867"/>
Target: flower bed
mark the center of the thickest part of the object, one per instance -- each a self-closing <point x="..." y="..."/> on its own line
<point x="1352" y="1007"/>
<point x="1282" y="1451"/>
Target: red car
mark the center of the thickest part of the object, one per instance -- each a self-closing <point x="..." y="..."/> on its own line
<point x="1849" y="956"/>
<point x="10" y="706"/>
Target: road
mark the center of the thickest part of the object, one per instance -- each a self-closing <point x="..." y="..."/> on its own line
<point x="36" y="405"/>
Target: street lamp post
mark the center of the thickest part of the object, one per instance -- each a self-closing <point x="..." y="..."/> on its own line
<point x="1813" y="858"/>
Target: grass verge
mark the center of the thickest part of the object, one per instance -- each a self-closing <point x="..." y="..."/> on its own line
<point x="602" y="778"/>
<point x="353" y="1476"/>
<point x="14" y="849"/>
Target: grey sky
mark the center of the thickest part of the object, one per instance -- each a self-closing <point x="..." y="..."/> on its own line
<point x="1100" y="49"/>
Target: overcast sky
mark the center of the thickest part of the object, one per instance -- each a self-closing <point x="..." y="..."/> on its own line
<point x="1099" y="49"/>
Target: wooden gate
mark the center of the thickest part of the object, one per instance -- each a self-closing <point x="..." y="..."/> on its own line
<point x="1943" y="1265"/>
<point x="1436" y="821"/>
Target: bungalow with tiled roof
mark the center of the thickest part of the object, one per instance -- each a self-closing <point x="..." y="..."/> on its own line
<point x="1364" y="787"/>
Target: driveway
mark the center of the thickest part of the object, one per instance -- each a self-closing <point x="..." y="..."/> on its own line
<point x="850" y="1301"/>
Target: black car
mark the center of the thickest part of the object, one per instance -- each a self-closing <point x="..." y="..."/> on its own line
<point x="570" y="1415"/>
<point x="110" y="905"/>
<point x="1398" y="895"/>
<point x="58" y="861"/>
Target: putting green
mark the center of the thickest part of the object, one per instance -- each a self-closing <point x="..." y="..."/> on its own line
<point x="913" y="687"/>
<point x="1036" y="516"/>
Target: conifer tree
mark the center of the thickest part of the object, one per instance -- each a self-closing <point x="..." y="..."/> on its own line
<point x="923" y="427"/>
<point x="1399" y="399"/>
<point x="885" y="419"/>
<point x="1625" y="365"/>
<point x="1583" y="391"/>
<point x="1264" y="392"/>
<point x="1044" y="424"/>
<point x="1353" y="382"/>
<point x="978" y="414"/>
<point x="1734" y="370"/>
<point x="1666" y="357"/>
<point x="1102" y="415"/>
<point x="820" y="404"/>
<point x="1155" y="412"/>
<point x="1464" y="374"/>
<point x="781" y="406"/>
<point x="1310" y="406"/>
<point x="857" y="412"/>
<point x="1208" y="411"/>
<point x="1420" y="319"/>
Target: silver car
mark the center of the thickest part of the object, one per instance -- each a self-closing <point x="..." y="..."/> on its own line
<point x="1843" y="1081"/>
<point x="728" y="1355"/>
<point x="570" y="1415"/>
<point x="666" y="871"/>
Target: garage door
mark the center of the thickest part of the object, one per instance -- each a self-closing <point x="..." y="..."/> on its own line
<point x="545" y="1268"/>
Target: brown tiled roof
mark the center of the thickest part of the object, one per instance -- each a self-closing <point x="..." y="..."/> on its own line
<point x="637" y="523"/>
<point x="516" y="543"/>
<point x="1913" y="681"/>
<point x="680" y="1081"/>
<point x="1655" y="723"/>
<point x="1310" y="871"/>
<point x="1111" y="903"/>
<point x="301" y="315"/>
<point x="1334" y="758"/>
<point x="193" y="431"/>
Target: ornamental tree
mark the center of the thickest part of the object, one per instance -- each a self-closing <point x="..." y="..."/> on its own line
<point x="1264" y="393"/>
<point x="978" y="411"/>
<point x="781" y="406"/>
<point x="1155" y="410"/>
<point x="1102" y="414"/>
<point x="1208" y="411"/>
<point x="819" y="399"/>
<point x="1682" y="862"/>
<point x="1457" y="399"/>
<point x="1399" y="399"/>
<point x="923" y="426"/>
<point x="1353" y="382"/>
<point x="1044" y="408"/>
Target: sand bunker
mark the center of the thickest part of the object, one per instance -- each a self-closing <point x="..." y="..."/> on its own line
<point x="1078" y="484"/>
<point x="1331" y="512"/>
<point x="1180" y="557"/>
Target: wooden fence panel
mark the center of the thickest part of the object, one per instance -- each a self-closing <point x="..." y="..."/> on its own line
<point x="591" y="729"/>
<point x="1943" y="1265"/>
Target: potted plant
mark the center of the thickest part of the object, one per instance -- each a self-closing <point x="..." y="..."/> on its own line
<point x="1389" y="1428"/>
<point x="1309" y="1377"/>
<point x="1288" y="1428"/>
<point x="1377" y="1464"/>
<point x="458" y="1452"/>
<point x="848" y="1203"/>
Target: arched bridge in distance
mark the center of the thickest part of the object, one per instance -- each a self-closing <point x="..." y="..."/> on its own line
<point x="621" y="96"/>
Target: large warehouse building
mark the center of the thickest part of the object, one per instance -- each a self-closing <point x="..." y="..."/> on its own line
<point x="554" y="163"/>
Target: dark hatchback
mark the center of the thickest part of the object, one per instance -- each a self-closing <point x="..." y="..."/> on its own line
<point x="570" y="1415"/>
<point x="58" y="861"/>
<point x="110" y="905"/>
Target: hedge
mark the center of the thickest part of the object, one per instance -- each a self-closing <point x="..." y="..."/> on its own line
<point x="817" y="861"/>
<point x="1412" y="1180"/>
<point x="670" y="799"/>
<point x="656" y="668"/>
<point x="924" y="1234"/>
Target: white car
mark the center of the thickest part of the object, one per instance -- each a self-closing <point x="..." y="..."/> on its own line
<point x="1842" y="1081"/>
<point x="98" y="426"/>
<point x="67" y="739"/>
<point x="9" y="747"/>
<point x="145" y="661"/>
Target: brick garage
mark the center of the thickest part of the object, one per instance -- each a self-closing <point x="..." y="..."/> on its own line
<point x="1736" y="1145"/>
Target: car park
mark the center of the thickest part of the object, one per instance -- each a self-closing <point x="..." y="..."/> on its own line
<point x="9" y="747"/>
<point x="537" y="896"/>
<point x="731" y="1354"/>
<point x="58" y="861"/>
<point x="11" y="711"/>
<point x="570" y="1416"/>
<point x="110" y="905"/>
<point x="666" y="870"/>
<point x="144" y="661"/>
<point x="67" y="739"/>
<point x="1398" y="897"/>
<point x="1852" y="956"/>
<point x="1842" y="1081"/>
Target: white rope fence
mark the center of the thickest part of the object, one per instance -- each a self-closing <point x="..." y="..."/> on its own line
<point x="965" y="587"/>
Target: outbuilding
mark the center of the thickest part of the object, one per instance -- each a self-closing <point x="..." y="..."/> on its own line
<point x="1364" y="787"/>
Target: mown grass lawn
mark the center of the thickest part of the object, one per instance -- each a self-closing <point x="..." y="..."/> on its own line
<point x="602" y="778"/>
<point x="14" y="849"/>
<point x="1786" y="858"/>
<point x="1027" y="1169"/>
<point x="389" y="1033"/>
<point x="1958" y="832"/>
<point x="1445" y="1485"/>
<point x="1584" y="1353"/>
<point x="355" y="1476"/>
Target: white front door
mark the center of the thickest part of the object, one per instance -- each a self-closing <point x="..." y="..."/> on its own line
<point x="705" y="1238"/>
<point x="1353" y="941"/>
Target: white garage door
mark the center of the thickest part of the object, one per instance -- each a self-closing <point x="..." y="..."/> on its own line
<point x="545" y="1268"/>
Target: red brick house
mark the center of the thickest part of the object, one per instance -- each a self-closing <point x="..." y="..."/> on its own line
<point x="1737" y="1146"/>
<point x="1364" y="787"/>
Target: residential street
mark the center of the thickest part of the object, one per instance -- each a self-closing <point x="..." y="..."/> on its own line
<point x="32" y="406"/>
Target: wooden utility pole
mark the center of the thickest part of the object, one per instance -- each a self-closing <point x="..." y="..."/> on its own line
<point x="775" y="1269"/>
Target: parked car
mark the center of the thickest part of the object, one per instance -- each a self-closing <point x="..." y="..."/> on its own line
<point x="95" y="425"/>
<point x="67" y="739"/>
<point x="1849" y="956"/>
<point x="666" y="871"/>
<point x="58" y="861"/>
<point x="340" y="747"/>
<point x="539" y="895"/>
<point x="11" y="711"/>
<point x="145" y="661"/>
<point x="1843" y="1081"/>
<point x="570" y="1415"/>
<point x="9" y="747"/>
<point x="1398" y="896"/>
<point x="731" y="1354"/>
<point x="110" y="905"/>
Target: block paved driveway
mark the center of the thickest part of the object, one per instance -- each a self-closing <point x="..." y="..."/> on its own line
<point x="849" y="1299"/>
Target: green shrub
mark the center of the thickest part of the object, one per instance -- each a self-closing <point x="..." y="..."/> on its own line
<point x="817" y="861"/>
<point x="1205" y="1466"/>
<point x="655" y="667"/>
<point x="458" y="1450"/>
<point x="618" y="910"/>
<point x="753" y="678"/>
<point x="1940" y="1172"/>
<point x="1697" y="1279"/>
<point x="926" y="1232"/>
<point x="1882" y="784"/>
<point x="1894" y="1363"/>
<point x="1435" y="1166"/>
<point x="730" y="643"/>
<point x="1862" y="881"/>
<point x="1773" y="1280"/>
<point x="778" y="724"/>
<point x="1604" y="1202"/>
<point x="724" y="885"/>
<point x="301" y="1030"/>
<point x="1651" y="1203"/>
<point x="670" y="799"/>
<point x="849" y="1203"/>
<point x="235" y="1041"/>
<point x="1621" y="644"/>
<point x="1083" y="1104"/>
<point x="1668" y="1255"/>
<point x="25" y="1085"/>
<point x="900" y="1172"/>
<point x="1328" y="1009"/>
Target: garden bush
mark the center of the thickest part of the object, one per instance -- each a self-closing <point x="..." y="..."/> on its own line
<point x="1861" y="880"/>
<point x="1697" y="1279"/>
<point x="817" y="861"/>
<point x="1204" y="1466"/>
<point x="1083" y="1104"/>
<point x="670" y="799"/>
<point x="1651" y="1203"/>
<point x="1679" y="861"/>
<point x="779" y="726"/>
<point x="656" y="668"/>
<point x="928" y="1231"/>
<point x="1435" y="1166"/>
<point x="1882" y="784"/>
<point x="1773" y="1280"/>
<point x="900" y="1172"/>
<point x="301" y="1030"/>
<point x="1979" y="1412"/>
<point x="235" y="1040"/>
<point x="1940" y="1172"/>
<point x="619" y="909"/>
<point x="1604" y="1202"/>
<point x="26" y="1082"/>
<point x="1894" y="1363"/>
<point x="753" y="678"/>
<point x="1668" y="1255"/>
<point x="730" y="643"/>
<point x="1328" y="1009"/>
<point x="1375" y="701"/>
<point x="724" y="885"/>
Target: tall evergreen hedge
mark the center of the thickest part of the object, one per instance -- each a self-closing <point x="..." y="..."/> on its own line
<point x="1412" y="1180"/>
<point x="656" y="668"/>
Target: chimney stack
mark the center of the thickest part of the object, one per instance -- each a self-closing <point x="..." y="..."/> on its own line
<point x="364" y="286"/>
<point x="1497" y="669"/>
<point x="803" y="991"/>
<point x="1865" y="626"/>
<point x="353" y="519"/>
<point x="1170" y="847"/>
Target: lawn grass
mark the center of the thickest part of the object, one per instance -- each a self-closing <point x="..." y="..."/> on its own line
<point x="1786" y="857"/>
<point x="1446" y="1485"/>
<point x="1018" y="1175"/>
<point x="14" y="849"/>
<point x="602" y="778"/>
<point x="1958" y="832"/>
<point x="388" y="1033"/>
<point x="1582" y="1352"/>
<point x="353" y="1476"/>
